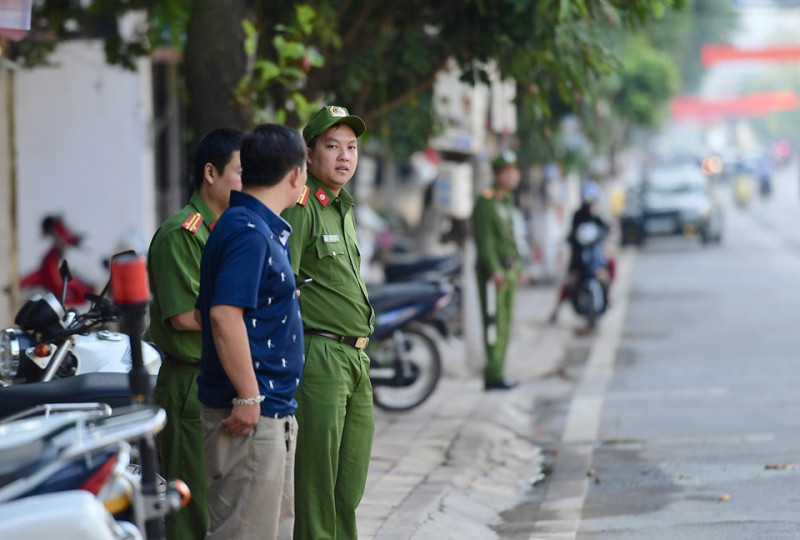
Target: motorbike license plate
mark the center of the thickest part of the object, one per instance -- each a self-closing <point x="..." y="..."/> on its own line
<point x="659" y="225"/>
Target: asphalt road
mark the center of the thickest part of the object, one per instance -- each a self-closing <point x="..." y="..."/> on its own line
<point x="684" y="419"/>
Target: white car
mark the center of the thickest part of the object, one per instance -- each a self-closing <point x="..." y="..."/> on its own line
<point x="679" y="200"/>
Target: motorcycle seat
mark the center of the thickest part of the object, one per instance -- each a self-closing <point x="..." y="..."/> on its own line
<point x="388" y="296"/>
<point x="110" y="388"/>
<point x="425" y="268"/>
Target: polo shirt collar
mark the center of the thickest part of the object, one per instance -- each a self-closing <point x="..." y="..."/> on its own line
<point x="200" y="205"/>
<point x="315" y="184"/>
<point x="276" y="223"/>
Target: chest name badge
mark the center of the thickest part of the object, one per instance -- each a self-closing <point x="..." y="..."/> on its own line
<point x="330" y="238"/>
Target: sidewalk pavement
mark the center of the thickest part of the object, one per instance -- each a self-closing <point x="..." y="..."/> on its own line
<point x="446" y="469"/>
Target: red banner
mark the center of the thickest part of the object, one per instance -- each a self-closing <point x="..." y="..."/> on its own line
<point x="750" y="106"/>
<point x="715" y="54"/>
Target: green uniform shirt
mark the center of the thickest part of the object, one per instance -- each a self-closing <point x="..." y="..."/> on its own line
<point x="493" y="222"/>
<point x="173" y="267"/>
<point x="323" y="247"/>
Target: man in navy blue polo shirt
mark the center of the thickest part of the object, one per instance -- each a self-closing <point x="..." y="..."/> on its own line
<point x="252" y="355"/>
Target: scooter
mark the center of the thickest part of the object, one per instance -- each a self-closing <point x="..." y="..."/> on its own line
<point x="405" y="365"/>
<point x="47" y="275"/>
<point x="588" y="292"/>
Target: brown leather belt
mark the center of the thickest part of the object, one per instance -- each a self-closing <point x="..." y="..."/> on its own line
<point x="357" y="342"/>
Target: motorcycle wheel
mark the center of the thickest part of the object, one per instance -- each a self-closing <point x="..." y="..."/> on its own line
<point x="419" y="354"/>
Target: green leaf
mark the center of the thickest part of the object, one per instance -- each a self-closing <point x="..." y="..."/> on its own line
<point x="249" y="28"/>
<point x="658" y="8"/>
<point x="267" y="70"/>
<point x="305" y="18"/>
<point x="316" y="59"/>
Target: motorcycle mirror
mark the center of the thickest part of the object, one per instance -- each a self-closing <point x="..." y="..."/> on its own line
<point x="64" y="271"/>
<point x="66" y="277"/>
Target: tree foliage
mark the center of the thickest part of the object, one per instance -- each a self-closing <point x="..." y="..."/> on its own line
<point x="683" y="33"/>
<point x="378" y="58"/>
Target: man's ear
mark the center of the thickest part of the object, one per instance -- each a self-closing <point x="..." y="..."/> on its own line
<point x="209" y="173"/>
<point x="294" y="177"/>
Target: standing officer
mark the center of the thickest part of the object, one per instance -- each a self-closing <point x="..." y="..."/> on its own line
<point x="334" y="413"/>
<point x="498" y="266"/>
<point x="173" y="267"/>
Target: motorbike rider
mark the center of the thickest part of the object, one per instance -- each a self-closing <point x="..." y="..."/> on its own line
<point x="765" y="170"/>
<point x="586" y="212"/>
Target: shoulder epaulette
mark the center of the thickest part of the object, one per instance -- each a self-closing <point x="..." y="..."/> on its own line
<point x="303" y="198"/>
<point x="193" y="222"/>
<point x="488" y="193"/>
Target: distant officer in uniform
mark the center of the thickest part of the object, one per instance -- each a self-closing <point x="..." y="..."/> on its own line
<point x="174" y="271"/>
<point x="334" y="414"/>
<point x="499" y="265"/>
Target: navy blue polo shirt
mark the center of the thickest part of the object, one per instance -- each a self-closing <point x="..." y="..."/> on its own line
<point x="246" y="264"/>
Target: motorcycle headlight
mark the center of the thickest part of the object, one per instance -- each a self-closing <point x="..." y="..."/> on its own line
<point x="10" y="351"/>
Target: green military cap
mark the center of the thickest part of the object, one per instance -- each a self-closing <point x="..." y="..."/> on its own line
<point x="504" y="160"/>
<point x="329" y="116"/>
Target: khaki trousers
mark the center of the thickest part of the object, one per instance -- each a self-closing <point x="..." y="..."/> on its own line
<point x="251" y="495"/>
<point x="180" y="446"/>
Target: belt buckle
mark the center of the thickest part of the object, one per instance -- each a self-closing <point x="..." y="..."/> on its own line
<point x="362" y="342"/>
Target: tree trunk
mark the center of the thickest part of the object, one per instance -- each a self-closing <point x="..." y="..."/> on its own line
<point x="214" y="65"/>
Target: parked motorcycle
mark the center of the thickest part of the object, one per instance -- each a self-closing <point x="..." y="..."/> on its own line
<point x="51" y="342"/>
<point x="588" y="292"/>
<point x="86" y="447"/>
<point x="405" y="365"/>
<point x="66" y="447"/>
<point x="433" y="269"/>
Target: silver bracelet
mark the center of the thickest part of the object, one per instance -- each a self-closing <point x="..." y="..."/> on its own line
<point x="248" y="401"/>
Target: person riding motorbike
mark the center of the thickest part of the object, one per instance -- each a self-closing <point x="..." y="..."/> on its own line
<point x="587" y="212"/>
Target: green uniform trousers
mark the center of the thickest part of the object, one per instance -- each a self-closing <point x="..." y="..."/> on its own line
<point x="180" y="446"/>
<point x="497" y="307"/>
<point x="335" y="427"/>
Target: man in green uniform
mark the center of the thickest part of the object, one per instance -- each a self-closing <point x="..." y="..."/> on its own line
<point x="334" y="413"/>
<point x="498" y="266"/>
<point x="174" y="271"/>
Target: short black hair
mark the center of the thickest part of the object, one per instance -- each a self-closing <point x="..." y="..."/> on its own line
<point x="269" y="152"/>
<point x="216" y="147"/>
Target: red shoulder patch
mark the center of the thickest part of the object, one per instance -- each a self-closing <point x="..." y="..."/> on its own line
<point x="322" y="197"/>
<point x="303" y="198"/>
<point x="193" y="223"/>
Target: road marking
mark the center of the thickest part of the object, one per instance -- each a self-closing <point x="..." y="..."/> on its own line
<point x="562" y="508"/>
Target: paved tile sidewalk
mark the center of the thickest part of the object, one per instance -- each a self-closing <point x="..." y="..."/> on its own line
<point x="445" y="469"/>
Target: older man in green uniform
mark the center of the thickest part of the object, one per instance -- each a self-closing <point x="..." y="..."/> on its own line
<point x="498" y="265"/>
<point x="334" y="414"/>
<point x="174" y="272"/>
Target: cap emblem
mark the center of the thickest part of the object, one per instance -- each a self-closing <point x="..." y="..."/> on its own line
<point x="338" y="112"/>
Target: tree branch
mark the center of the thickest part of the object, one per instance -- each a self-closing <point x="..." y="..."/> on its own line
<point x="404" y="97"/>
<point x="355" y="28"/>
